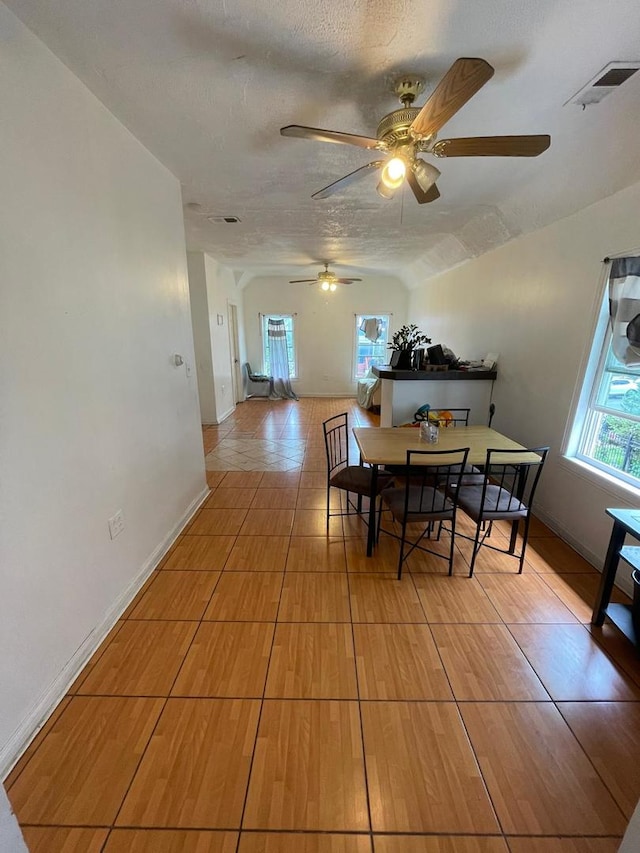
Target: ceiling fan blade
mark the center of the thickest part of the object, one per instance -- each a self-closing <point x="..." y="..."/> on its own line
<point x="459" y="84"/>
<point x="347" y="280"/>
<point x="493" y="146"/>
<point x="330" y="136"/>
<point x="304" y="281"/>
<point x="422" y="197"/>
<point x="348" y="179"/>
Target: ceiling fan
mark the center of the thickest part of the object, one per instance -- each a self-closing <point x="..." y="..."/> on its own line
<point x="408" y="131"/>
<point x="326" y="279"/>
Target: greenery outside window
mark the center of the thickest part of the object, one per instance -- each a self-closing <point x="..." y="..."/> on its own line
<point x="606" y="431"/>
<point x="367" y="352"/>
<point x="291" y="348"/>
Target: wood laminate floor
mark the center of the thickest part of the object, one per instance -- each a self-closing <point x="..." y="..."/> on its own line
<point x="273" y="690"/>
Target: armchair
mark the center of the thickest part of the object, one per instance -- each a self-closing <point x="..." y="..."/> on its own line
<point x="257" y="384"/>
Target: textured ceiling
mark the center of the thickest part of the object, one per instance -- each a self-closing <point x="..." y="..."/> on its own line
<point x="206" y="85"/>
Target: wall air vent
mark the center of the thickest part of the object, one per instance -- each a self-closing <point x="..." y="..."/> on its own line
<point x="606" y="80"/>
<point x="225" y="220"/>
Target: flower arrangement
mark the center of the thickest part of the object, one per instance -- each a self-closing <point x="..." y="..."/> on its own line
<point x="408" y="338"/>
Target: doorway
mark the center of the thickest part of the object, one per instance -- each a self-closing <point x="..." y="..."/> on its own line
<point x="236" y="367"/>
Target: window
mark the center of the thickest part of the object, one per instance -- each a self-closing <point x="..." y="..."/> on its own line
<point x="368" y="352"/>
<point x="291" y="350"/>
<point x="606" y="431"/>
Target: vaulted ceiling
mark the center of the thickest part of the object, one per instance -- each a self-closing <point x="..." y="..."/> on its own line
<point x="206" y="85"/>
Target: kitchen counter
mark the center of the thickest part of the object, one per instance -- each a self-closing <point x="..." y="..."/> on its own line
<point x="404" y="391"/>
<point x="386" y="372"/>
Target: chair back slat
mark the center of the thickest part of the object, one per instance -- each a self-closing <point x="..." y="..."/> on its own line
<point x="510" y="485"/>
<point x="425" y="501"/>
<point x="336" y="441"/>
<point x="444" y="416"/>
<point x="426" y="484"/>
<point x="459" y="417"/>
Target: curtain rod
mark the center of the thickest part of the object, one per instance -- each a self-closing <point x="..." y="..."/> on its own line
<point x="630" y="253"/>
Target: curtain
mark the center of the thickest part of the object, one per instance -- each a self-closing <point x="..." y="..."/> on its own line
<point x="279" y="358"/>
<point x="624" y="309"/>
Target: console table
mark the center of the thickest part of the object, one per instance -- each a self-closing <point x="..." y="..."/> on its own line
<point x="404" y="391"/>
<point x="625" y="521"/>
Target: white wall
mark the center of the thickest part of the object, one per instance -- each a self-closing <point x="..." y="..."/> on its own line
<point x="11" y="840"/>
<point x="324" y="325"/>
<point x="94" y="415"/>
<point x="213" y="289"/>
<point x="534" y="301"/>
<point x="631" y="840"/>
<point x="222" y="290"/>
<point x="202" y="336"/>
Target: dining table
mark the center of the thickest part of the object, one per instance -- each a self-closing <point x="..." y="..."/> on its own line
<point x="389" y="445"/>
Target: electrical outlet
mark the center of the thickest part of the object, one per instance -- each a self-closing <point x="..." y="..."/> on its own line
<point x="116" y="524"/>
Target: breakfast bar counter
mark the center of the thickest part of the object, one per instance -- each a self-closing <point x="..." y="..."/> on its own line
<point x="404" y="391"/>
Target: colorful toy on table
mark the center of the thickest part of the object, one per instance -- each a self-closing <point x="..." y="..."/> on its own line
<point x="441" y="417"/>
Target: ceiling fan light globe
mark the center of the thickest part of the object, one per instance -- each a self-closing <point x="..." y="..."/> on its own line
<point x="332" y="287"/>
<point x="393" y="173"/>
<point x="384" y="191"/>
<point x="325" y="285"/>
<point x="426" y="174"/>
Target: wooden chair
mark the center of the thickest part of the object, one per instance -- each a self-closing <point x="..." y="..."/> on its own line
<point x="501" y="497"/>
<point x="420" y="502"/>
<point x="341" y="475"/>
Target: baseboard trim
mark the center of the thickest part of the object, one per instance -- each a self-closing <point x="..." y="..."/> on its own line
<point x="46" y="704"/>
<point x="345" y="396"/>
<point x="622" y="582"/>
<point x="225" y="415"/>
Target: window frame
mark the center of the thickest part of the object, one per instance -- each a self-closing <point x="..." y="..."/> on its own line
<point x="357" y="318"/>
<point x="264" y="322"/>
<point x="581" y="427"/>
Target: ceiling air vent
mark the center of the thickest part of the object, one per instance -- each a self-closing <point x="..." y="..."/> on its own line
<point x="228" y="220"/>
<point x="606" y="80"/>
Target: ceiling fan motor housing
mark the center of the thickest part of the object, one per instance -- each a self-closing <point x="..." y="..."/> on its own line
<point x="393" y="130"/>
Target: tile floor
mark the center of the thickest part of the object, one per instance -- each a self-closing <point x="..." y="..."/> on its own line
<point x="271" y="689"/>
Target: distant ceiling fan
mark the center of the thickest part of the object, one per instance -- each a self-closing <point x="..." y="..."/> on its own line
<point x="405" y="132"/>
<point x="326" y="279"/>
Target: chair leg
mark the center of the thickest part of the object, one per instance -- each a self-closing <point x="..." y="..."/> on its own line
<point x="513" y="538"/>
<point x="379" y="519"/>
<point x="451" y="547"/>
<point x="328" y="505"/>
<point x="402" y="540"/>
<point x="476" y="548"/>
<point x="525" y="537"/>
